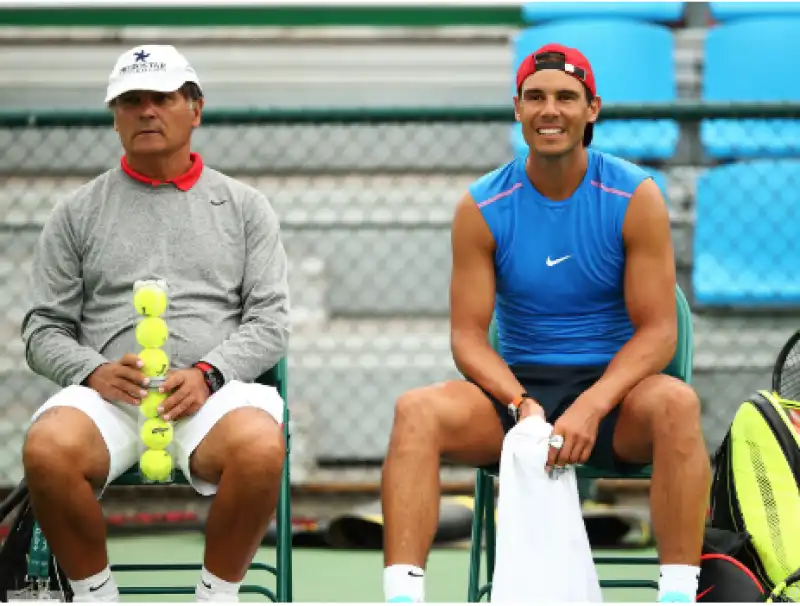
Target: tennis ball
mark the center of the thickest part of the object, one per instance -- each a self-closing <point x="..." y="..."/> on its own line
<point x="151" y="402"/>
<point x="151" y="332"/>
<point x="156" y="434"/>
<point x="156" y="362"/>
<point x="150" y="300"/>
<point x="156" y="465"/>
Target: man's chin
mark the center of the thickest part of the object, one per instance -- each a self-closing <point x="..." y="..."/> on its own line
<point x="142" y="148"/>
<point x="550" y="151"/>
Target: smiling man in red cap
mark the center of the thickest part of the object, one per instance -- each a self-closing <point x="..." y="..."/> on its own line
<point x="570" y="249"/>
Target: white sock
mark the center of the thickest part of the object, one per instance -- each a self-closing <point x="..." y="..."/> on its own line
<point x="100" y="587"/>
<point x="679" y="578"/>
<point x="211" y="588"/>
<point x="404" y="583"/>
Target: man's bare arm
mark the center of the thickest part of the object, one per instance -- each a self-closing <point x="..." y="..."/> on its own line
<point x="649" y="296"/>
<point x="472" y="292"/>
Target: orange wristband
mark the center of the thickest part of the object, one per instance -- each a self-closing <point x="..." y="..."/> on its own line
<point x="516" y="402"/>
<point x="513" y="408"/>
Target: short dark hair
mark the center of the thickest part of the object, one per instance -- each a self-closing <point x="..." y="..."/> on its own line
<point x="191" y="91"/>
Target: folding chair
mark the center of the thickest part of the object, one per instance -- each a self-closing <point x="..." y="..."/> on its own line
<point x="278" y="378"/>
<point x="483" y="520"/>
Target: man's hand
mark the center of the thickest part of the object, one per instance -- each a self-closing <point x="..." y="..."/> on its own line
<point x="120" y="381"/>
<point x="187" y="391"/>
<point x="578" y="426"/>
<point x="529" y="408"/>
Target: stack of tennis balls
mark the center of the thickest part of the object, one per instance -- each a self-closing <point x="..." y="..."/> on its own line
<point x="150" y="301"/>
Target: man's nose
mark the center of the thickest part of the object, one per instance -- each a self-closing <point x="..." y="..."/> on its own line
<point x="550" y="108"/>
<point x="147" y="107"/>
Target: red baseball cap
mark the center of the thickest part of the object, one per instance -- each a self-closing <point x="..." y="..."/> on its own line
<point x="566" y="59"/>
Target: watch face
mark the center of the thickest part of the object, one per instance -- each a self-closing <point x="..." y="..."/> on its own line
<point x="214" y="379"/>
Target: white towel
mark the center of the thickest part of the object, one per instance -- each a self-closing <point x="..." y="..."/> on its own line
<point x="543" y="552"/>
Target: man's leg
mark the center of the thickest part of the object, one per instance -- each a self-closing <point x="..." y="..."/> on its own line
<point x="454" y="420"/>
<point x="66" y="460"/>
<point x="243" y="456"/>
<point x="659" y="421"/>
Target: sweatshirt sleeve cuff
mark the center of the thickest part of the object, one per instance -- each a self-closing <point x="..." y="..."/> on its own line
<point x="92" y="363"/>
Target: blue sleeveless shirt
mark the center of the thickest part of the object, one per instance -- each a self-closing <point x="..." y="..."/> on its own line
<point x="559" y="266"/>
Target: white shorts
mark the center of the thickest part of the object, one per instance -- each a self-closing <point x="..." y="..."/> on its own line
<point x="119" y="424"/>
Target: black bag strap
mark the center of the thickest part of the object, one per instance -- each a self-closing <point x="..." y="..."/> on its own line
<point x="14" y="499"/>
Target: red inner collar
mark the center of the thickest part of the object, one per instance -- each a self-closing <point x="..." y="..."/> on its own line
<point x="183" y="182"/>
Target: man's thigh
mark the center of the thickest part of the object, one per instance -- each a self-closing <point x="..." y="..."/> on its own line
<point x="117" y="425"/>
<point x="659" y="402"/>
<point x="556" y="388"/>
<point x="191" y="431"/>
<point x="458" y="416"/>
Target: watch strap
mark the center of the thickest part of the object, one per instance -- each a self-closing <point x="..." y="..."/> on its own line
<point x="513" y="407"/>
<point x="204" y="366"/>
<point x="209" y="374"/>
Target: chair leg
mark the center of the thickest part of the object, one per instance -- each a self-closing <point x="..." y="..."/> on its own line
<point x="491" y="531"/>
<point x="284" y="515"/>
<point x="476" y="547"/>
<point x="284" y="555"/>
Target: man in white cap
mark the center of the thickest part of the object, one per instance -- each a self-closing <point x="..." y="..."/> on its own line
<point x="160" y="214"/>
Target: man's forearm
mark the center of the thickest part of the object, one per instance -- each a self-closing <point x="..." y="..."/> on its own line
<point x="647" y="353"/>
<point x="56" y="355"/>
<point x="476" y="360"/>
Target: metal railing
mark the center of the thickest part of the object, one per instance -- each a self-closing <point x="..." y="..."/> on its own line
<point x="365" y="198"/>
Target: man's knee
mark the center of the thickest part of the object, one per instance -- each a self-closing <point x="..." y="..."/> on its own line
<point x="64" y="441"/>
<point x="680" y="407"/>
<point x="416" y="415"/>
<point x="659" y="410"/>
<point x="246" y="442"/>
<point x="665" y="407"/>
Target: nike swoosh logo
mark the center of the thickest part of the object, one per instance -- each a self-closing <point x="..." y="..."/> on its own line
<point x="411" y="573"/>
<point x="100" y="585"/>
<point x="550" y="262"/>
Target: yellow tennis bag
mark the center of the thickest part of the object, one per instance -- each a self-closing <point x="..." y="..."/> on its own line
<point x="756" y="488"/>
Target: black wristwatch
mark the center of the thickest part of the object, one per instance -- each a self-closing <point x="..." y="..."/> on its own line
<point x="213" y="377"/>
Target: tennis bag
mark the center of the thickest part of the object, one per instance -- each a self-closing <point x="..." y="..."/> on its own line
<point x="756" y="489"/>
<point x="723" y="578"/>
<point x="28" y="571"/>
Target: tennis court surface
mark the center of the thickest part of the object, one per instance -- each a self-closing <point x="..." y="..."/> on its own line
<point x="328" y="575"/>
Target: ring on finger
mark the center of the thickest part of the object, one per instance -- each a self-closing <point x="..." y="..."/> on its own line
<point x="556" y="442"/>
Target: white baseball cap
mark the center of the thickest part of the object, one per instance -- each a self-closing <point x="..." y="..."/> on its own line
<point x="152" y="67"/>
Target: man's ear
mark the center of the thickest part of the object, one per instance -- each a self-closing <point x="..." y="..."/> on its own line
<point x="196" y="106"/>
<point x="113" y="111"/>
<point x="594" y="109"/>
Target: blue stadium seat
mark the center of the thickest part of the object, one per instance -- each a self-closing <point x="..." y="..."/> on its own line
<point x="728" y="11"/>
<point x="633" y="63"/>
<point x="737" y="71"/>
<point x="745" y="238"/>
<point x="664" y="12"/>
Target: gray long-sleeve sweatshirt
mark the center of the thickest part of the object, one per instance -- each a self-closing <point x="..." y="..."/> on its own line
<point x="214" y="240"/>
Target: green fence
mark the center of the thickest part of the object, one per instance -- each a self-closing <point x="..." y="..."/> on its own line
<point x="365" y="198"/>
<point x="233" y="14"/>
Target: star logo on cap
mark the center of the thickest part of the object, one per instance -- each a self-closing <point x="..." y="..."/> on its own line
<point x="141" y="55"/>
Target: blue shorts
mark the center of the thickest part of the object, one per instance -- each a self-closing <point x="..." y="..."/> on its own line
<point x="556" y="388"/>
